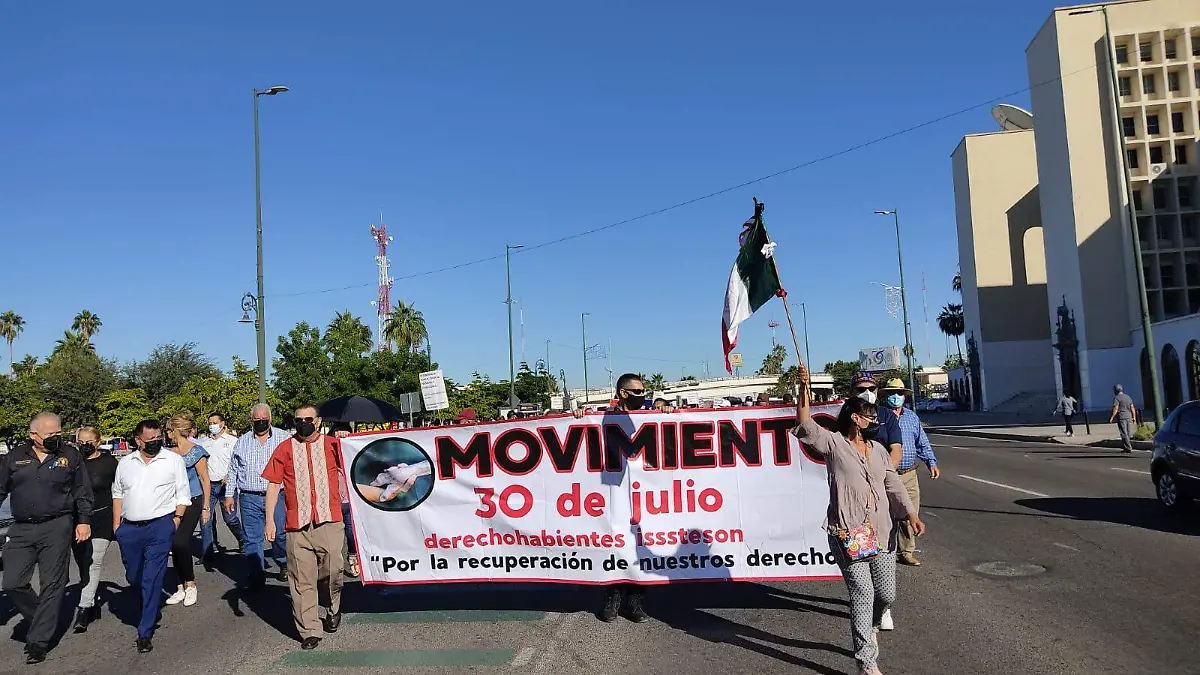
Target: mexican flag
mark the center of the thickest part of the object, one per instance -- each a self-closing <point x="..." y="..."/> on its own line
<point x="753" y="281"/>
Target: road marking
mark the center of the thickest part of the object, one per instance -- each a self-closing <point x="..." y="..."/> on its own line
<point x="1072" y="548"/>
<point x="524" y="656"/>
<point x="1144" y="473"/>
<point x="416" y="658"/>
<point x="931" y="513"/>
<point x="448" y="616"/>
<point x="1009" y="487"/>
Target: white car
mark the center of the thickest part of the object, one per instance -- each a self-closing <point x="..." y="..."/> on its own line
<point x="937" y="405"/>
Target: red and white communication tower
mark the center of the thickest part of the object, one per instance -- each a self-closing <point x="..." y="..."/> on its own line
<point x="383" y="305"/>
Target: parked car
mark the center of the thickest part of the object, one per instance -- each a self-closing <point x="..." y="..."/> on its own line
<point x="936" y="405"/>
<point x="1175" y="465"/>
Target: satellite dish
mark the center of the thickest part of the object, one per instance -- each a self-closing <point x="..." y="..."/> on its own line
<point x="1012" y="118"/>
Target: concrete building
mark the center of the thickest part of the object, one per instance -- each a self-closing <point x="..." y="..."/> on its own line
<point x="1081" y="197"/>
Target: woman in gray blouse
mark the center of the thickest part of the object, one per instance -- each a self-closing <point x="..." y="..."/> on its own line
<point x="863" y="488"/>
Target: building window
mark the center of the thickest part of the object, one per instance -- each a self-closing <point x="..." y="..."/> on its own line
<point x="1144" y="48"/>
<point x="1123" y="86"/>
<point x="1160" y="198"/>
<point x="1152" y="125"/>
<point x="1185" y="197"/>
<point x="1177" y="122"/>
<point x="1167" y="270"/>
<point x="1133" y="158"/>
<point x="1188" y="228"/>
<point x="1147" y="84"/>
<point x="1128" y="127"/>
<point x="1195" y="44"/>
<point x="1137" y="200"/>
<point x="1172" y="81"/>
<point x="1169" y="48"/>
<point x="1198" y="78"/>
<point x="1122" y="54"/>
<point x="1181" y="153"/>
<point x="1156" y="154"/>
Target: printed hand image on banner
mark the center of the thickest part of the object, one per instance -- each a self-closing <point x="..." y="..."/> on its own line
<point x="393" y="474"/>
<point x="644" y="497"/>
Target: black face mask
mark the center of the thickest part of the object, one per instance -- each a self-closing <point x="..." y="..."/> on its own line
<point x="152" y="448"/>
<point x="52" y="444"/>
<point x="870" y="431"/>
<point x="87" y="449"/>
<point x="634" y="402"/>
<point x="169" y="442"/>
<point x="304" y="429"/>
<point x="261" y="426"/>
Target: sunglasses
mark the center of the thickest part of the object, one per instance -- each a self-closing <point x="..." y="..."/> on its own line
<point x="636" y="392"/>
<point x="863" y="388"/>
<point x="869" y="418"/>
<point x="306" y="419"/>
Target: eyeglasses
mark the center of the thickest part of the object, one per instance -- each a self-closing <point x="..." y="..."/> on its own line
<point x="635" y="392"/>
<point x="869" y="418"/>
<point x="306" y="419"/>
<point x="863" y="388"/>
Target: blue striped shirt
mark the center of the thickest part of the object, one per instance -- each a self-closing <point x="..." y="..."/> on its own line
<point x="914" y="441"/>
<point x="250" y="458"/>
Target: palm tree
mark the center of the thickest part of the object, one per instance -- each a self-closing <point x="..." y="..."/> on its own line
<point x="951" y="322"/>
<point x="655" y="383"/>
<point x="86" y="324"/>
<point x="405" y="327"/>
<point x="26" y="365"/>
<point x="11" y="325"/>
<point x="346" y="330"/>
<point x="72" y="342"/>
<point x="956" y="283"/>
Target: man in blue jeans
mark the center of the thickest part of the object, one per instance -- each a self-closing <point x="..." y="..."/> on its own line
<point x="247" y="489"/>
<point x="219" y="443"/>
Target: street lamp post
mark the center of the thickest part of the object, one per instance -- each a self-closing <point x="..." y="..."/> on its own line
<point x="512" y="382"/>
<point x="261" y="321"/>
<point x="583" y="330"/>
<point x="1143" y="301"/>
<point x="908" y="349"/>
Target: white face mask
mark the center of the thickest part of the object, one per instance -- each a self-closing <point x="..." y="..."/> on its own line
<point x="214" y="429"/>
<point x="869" y="396"/>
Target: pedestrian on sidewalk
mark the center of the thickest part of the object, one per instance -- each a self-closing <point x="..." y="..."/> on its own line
<point x="180" y="430"/>
<point x="1124" y="413"/>
<point x="219" y="443"/>
<point x="865" y="495"/>
<point x="150" y="495"/>
<point x="307" y="467"/>
<point x="51" y="506"/>
<point x="248" y="494"/>
<point x="89" y="554"/>
<point x="1066" y="408"/>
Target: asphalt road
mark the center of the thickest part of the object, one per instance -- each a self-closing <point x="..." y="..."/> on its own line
<point x="1109" y="586"/>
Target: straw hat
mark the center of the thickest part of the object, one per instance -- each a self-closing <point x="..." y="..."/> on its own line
<point x="896" y="384"/>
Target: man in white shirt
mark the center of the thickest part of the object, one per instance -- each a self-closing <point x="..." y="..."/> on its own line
<point x="219" y="443"/>
<point x="150" y="494"/>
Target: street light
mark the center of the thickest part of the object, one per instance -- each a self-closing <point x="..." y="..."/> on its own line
<point x="250" y="304"/>
<point x="512" y="382"/>
<point x="260" y="304"/>
<point x="908" y="349"/>
<point x="1143" y="301"/>
<point x="583" y="330"/>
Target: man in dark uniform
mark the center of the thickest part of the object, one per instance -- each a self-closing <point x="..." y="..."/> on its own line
<point x="51" y="496"/>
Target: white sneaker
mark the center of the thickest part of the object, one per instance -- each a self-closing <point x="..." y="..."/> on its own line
<point x="885" y="621"/>
<point x="189" y="596"/>
<point x="176" y="598"/>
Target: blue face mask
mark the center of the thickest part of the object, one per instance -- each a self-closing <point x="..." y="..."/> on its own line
<point x="896" y="400"/>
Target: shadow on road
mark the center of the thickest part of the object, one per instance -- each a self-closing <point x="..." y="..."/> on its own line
<point x="1116" y="458"/>
<point x="1143" y="512"/>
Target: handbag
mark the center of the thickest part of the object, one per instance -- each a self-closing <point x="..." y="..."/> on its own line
<point x="860" y="542"/>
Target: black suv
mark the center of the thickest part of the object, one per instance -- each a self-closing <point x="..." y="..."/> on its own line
<point x="1175" y="467"/>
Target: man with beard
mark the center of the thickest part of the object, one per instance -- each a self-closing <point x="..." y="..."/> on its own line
<point x="149" y="496"/>
<point x="307" y="468"/>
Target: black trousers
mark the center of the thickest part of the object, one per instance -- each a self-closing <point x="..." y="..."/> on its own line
<point x="181" y="544"/>
<point x="48" y="547"/>
<point x="629" y="590"/>
<point x="1067" y="420"/>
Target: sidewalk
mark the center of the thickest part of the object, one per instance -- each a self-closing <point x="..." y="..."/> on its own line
<point x="1102" y="436"/>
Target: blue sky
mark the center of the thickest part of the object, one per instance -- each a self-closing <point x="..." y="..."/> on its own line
<point x="127" y="181"/>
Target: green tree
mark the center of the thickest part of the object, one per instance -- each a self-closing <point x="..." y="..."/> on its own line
<point x="73" y="380"/>
<point x="773" y="362"/>
<point x="302" y="371"/>
<point x="167" y="369"/>
<point x="346" y="340"/>
<point x="784" y="385"/>
<point x="842" y="372"/>
<point x="535" y="386"/>
<point x="481" y="395"/>
<point x="72" y="342"/>
<point x="956" y="282"/>
<point x="231" y="396"/>
<point x="121" y="410"/>
<point x="951" y="322"/>
<point x="11" y="326"/>
<point x="21" y="398"/>
<point x="26" y="365"/>
<point x="405" y="327"/>
<point x="953" y="361"/>
<point x="655" y="383"/>
<point x="87" y="325"/>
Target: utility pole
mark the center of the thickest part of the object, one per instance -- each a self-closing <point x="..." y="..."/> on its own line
<point x="512" y="376"/>
<point x="549" y="378"/>
<point x="908" y="348"/>
<point x="261" y="313"/>
<point x="583" y="330"/>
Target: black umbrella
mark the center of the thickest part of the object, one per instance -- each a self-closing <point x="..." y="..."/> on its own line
<point x="357" y="409"/>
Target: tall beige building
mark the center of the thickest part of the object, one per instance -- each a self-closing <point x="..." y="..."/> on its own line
<point x="1082" y="197"/>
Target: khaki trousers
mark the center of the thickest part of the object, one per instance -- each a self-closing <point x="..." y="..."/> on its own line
<point x="908" y="540"/>
<point x="314" y="569"/>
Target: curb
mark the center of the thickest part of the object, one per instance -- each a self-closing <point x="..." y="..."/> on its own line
<point x="1001" y="436"/>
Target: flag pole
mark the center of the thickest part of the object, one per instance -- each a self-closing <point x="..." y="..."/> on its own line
<point x="758" y="210"/>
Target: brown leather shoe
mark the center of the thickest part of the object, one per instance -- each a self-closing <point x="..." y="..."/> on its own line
<point x="909" y="559"/>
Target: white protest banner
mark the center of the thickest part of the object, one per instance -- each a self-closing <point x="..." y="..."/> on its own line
<point x="650" y="498"/>
<point x="433" y="390"/>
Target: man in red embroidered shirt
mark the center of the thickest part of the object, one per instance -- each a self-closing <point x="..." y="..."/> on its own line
<point x="306" y="467"/>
